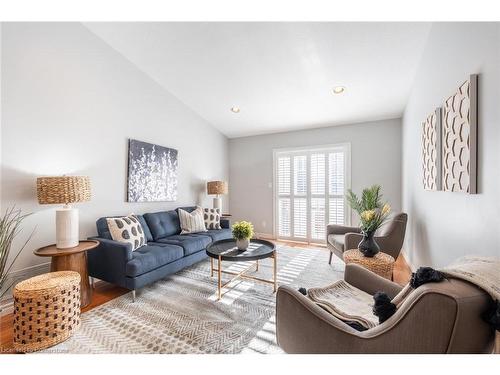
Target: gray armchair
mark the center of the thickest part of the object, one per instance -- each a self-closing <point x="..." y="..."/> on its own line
<point x="389" y="237"/>
<point x="440" y="317"/>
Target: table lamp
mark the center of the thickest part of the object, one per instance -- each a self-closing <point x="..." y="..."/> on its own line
<point x="217" y="188"/>
<point x="64" y="190"/>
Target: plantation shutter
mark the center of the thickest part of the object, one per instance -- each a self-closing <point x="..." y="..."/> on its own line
<point x="336" y="187"/>
<point x="318" y="199"/>
<point x="284" y="209"/>
<point x="310" y="189"/>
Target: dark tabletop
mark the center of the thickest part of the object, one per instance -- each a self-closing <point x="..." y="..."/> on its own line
<point x="258" y="249"/>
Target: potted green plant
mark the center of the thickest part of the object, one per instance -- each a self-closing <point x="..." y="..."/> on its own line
<point x="10" y="226"/>
<point x="242" y="232"/>
<point x="372" y="215"/>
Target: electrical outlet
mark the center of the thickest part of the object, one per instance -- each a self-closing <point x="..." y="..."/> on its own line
<point x="264" y="224"/>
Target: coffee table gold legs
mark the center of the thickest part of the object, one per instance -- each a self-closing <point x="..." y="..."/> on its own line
<point x="242" y="274"/>
<point x="219" y="281"/>
<point x="274" y="269"/>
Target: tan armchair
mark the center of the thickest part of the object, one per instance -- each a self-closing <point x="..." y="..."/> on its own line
<point x="389" y="237"/>
<point x="440" y="317"/>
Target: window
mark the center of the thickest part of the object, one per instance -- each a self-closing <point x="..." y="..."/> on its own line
<point x="310" y="186"/>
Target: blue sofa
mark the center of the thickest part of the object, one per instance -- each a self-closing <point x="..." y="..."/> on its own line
<point x="166" y="251"/>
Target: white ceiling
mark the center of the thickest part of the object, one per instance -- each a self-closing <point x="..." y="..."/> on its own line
<point x="281" y="75"/>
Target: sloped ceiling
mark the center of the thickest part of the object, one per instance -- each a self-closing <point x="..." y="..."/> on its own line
<point x="280" y="75"/>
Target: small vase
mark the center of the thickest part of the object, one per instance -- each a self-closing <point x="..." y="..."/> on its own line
<point x="368" y="246"/>
<point x="242" y="244"/>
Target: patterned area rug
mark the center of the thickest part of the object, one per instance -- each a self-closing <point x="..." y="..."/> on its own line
<point x="180" y="314"/>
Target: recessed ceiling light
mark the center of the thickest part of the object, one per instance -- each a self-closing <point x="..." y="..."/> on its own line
<point x="338" y="89"/>
<point x="235" y="109"/>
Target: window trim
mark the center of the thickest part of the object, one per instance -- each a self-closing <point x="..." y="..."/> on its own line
<point x="289" y="151"/>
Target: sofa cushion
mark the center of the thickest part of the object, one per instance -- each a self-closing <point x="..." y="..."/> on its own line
<point x="103" y="229"/>
<point x="150" y="257"/>
<point x="217" y="235"/>
<point x="163" y="224"/>
<point x="190" y="243"/>
<point x="337" y="241"/>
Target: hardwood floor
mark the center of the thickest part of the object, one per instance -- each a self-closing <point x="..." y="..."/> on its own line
<point x="105" y="292"/>
<point x="400" y="275"/>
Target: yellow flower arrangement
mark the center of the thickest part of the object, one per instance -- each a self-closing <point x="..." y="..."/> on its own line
<point x="386" y="209"/>
<point x="371" y="220"/>
<point x="369" y="207"/>
<point x="368" y="215"/>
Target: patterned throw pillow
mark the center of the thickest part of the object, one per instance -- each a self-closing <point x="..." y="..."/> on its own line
<point x="192" y="222"/>
<point x="127" y="229"/>
<point x="212" y="218"/>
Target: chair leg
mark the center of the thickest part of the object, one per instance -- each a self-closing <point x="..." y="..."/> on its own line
<point x="330" y="260"/>
<point x="133" y="296"/>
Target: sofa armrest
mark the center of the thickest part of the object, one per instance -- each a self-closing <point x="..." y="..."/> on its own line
<point x="368" y="281"/>
<point x="304" y="327"/>
<point x="224" y="223"/>
<point x="340" y="229"/>
<point x="108" y="261"/>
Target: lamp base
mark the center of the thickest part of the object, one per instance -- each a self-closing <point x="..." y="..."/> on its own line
<point x="218" y="203"/>
<point x="67" y="227"/>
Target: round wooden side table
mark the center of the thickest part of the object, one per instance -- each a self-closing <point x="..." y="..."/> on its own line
<point x="382" y="264"/>
<point x="72" y="259"/>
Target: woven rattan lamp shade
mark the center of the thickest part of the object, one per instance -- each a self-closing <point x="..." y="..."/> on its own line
<point x="216" y="187"/>
<point x="63" y="190"/>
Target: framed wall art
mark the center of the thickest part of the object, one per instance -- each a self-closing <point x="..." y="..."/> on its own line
<point x="460" y="139"/>
<point x="152" y="172"/>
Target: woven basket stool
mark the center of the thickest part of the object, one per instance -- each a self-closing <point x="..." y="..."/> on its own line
<point x="382" y="264"/>
<point x="46" y="310"/>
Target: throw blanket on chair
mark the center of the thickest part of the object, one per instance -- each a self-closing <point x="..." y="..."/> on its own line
<point x="484" y="272"/>
<point x="352" y="305"/>
<point x="346" y="303"/>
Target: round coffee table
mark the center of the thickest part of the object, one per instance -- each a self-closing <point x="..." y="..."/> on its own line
<point x="72" y="259"/>
<point x="382" y="264"/>
<point x="226" y="250"/>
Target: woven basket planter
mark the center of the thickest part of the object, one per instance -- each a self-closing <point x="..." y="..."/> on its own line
<point x="46" y="310"/>
<point x="382" y="264"/>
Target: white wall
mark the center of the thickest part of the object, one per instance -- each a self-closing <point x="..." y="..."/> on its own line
<point x="375" y="159"/>
<point x="1" y="115"/>
<point x="444" y="226"/>
<point x="69" y="105"/>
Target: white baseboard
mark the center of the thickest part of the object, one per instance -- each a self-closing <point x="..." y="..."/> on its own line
<point x="265" y="236"/>
<point x="269" y="236"/>
<point x="7" y="303"/>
